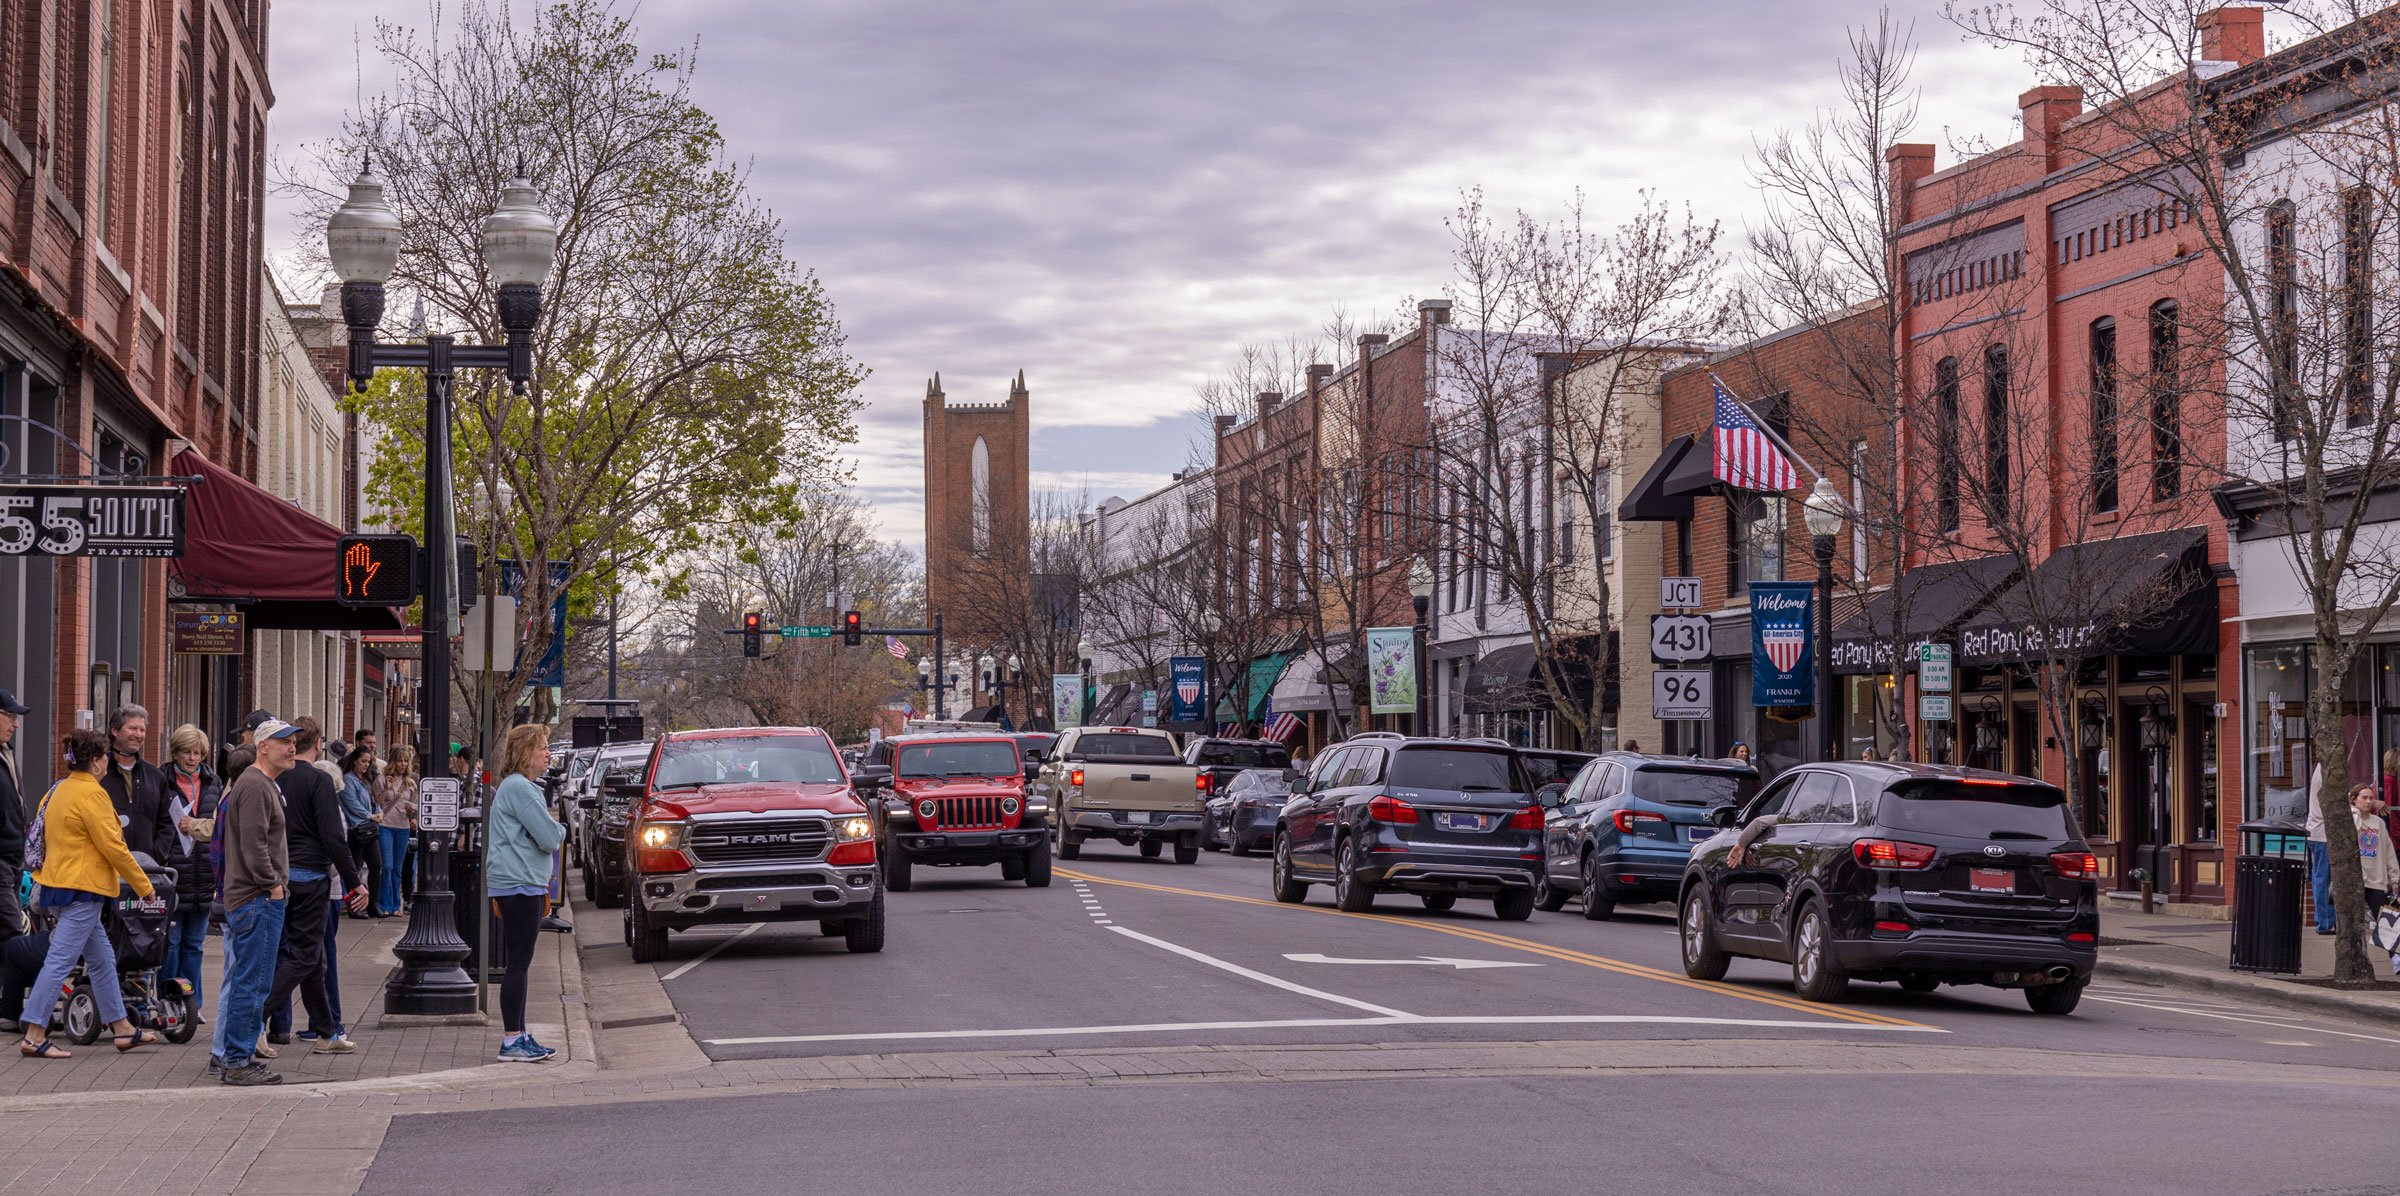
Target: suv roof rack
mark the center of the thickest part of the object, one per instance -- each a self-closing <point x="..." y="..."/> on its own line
<point x="1376" y="735"/>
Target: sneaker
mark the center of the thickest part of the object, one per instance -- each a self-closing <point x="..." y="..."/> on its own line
<point x="216" y="1065"/>
<point x="255" y="1075"/>
<point x="339" y="1045"/>
<point x="558" y="924"/>
<point x="525" y="1050"/>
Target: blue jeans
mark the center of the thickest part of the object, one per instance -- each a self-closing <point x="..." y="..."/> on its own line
<point x="393" y="841"/>
<point x="77" y="934"/>
<point x="253" y="931"/>
<point x="186" y="935"/>
<point x="2320" y="885"/>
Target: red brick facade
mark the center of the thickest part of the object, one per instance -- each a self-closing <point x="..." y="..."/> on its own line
<point x="957" y="566"/>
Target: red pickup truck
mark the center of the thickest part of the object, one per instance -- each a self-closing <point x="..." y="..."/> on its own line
<point x="757" y="824"/>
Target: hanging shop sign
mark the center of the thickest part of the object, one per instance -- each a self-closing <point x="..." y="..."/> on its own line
<point x="91" y="520"/>
<point x="208" y="633"/>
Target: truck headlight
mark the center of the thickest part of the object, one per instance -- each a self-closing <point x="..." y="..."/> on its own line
<point x="852" y="830"/>
<point x="662" y="835"/>
<point x="926" y="809"/>
<point x="1008" y="805"/>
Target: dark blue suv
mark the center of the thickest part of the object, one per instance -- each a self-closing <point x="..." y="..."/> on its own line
<point x="1624" y="828"/>
<point x="1440" y="818"/>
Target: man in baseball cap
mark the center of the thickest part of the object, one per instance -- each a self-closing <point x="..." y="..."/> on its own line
<point x="12" y="818"/>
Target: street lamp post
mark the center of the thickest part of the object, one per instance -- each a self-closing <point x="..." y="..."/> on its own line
<point x="925" y="677"/>
<point x="363" y="241"/>
<point x="1083" y="652"/>
<point x="1823" y="511"/>
<point x="998" y="682"/>
<point x="1420" y="597"/>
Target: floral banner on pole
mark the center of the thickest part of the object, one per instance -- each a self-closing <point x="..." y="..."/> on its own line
<point x="1392" y="670"/>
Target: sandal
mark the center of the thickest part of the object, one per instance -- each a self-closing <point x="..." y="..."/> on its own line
<point x="139" y="1038"/>
<point x="45" y="1049"/>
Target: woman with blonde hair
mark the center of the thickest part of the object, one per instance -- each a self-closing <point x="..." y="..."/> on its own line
<point x="521" y="835"/>
<point x="193" y="790"/>
<point x="395" y="826"/>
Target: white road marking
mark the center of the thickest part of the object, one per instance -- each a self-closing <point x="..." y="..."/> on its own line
<point x="2282" y="1024"/>
<point x="1463" y="965"/>
<point x="1261" y="977"/>
<point x="705" y="956"/>
<point x="1314" y="1022"/>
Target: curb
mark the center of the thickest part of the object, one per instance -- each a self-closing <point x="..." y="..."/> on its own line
<point x="583" y="1039"/>
<point x="2273" y="992"/>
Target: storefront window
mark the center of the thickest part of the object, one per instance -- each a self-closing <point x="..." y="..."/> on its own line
<point x="1866" y="711"/>
<point x="2276" y="692"/>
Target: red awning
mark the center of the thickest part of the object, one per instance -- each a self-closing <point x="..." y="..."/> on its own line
<point x="279" y="563"/>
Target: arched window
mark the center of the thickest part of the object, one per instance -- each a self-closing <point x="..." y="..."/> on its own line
<point x="2166" y="401"/>
<point x="1995" y="431"/>
<point x="979" y="466"/>
<point x="2104" y="413"/>
<point x="1945" y="441"/>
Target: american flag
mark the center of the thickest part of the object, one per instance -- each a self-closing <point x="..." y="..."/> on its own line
<point x="1281" y="727"/>
<point x="892" y="644"/>
<point x="1747" y="456"/>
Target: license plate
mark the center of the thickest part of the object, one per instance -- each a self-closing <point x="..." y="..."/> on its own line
<point x="1137" y="815"/>
<point x="1461" y="822"/>
<point x="1992" y="880"/>
<point x="1700" y="833"/>
<point x="762" y="902"/>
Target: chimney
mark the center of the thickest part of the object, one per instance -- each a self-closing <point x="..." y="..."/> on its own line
<point x="1434" y="311"/>
<point x="2046" y="111"/>
<point x="1371" y="341"/>
<point x="1225" y="423"/>
<point x="1267" y="400"/>
<point x="2234" y="34"/>
<point x="1319" y="374"/>
<point x="1905" y="165"/>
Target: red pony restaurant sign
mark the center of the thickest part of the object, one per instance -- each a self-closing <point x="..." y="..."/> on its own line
<point x="91" y="521"/>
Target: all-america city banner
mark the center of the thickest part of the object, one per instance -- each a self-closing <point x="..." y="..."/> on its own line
<point x="1782" y="638"/>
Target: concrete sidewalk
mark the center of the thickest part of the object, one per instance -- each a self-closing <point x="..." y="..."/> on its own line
<point x="553" y="1013"/>
<point x="2189" y="952"/>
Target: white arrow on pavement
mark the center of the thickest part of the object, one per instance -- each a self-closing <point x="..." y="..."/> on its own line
<point x="1463" y="965"/>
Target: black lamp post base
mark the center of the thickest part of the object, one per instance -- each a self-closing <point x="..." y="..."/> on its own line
<point x="430" y="981"/>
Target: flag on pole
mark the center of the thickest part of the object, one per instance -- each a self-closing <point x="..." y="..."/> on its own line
<point x="892" y="644"/>
<point x="1281" y="727"/>
<point x="1746" y="455"/>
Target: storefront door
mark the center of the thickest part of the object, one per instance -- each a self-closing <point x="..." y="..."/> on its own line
<point x="2142" y="777"/>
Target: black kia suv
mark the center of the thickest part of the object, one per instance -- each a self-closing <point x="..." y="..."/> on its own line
<point x="1916" y="873"/>
<point x="1439" y="818"/>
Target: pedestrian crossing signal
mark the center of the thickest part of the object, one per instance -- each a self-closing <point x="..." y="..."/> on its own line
<point x="852" y="627"/>
<point x="375" y="571"/>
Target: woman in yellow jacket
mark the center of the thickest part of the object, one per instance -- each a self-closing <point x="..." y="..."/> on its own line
<point x="83" y="855"/>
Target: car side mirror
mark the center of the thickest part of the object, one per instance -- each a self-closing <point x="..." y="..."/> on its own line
<point x="872" y="776"/>
<point x="587" y="803"/>
<point x="626" y="787"/>
<point x="1724" y="817"/>
<point x="1551" y="796"/>
<point x="1033" y="768"/>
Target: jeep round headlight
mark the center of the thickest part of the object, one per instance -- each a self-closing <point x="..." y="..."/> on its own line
<point x="926" y="809"/>
<point x="854" y="829"/>
<point x="1008" y="805"/>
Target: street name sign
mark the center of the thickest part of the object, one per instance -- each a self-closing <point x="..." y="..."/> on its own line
<point x="1682" y="694"/>
<point x="804" y="631"/>
<point x="1679" y="639"/>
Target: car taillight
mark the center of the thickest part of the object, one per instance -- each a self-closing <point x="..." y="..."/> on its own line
<point x="1626" y="820"/>
<point x="1528" y="819"/>
<point x="1201" y="782"/>
<point x="1891" y="928"/>
<point x="2083" y="936"/>
<point x="1387" y="808"/>
<point x="1075" y="778"/>
<point x="1891" y="853"/>
<point x="2075" y="863"/>
<point x="862" y="852"/>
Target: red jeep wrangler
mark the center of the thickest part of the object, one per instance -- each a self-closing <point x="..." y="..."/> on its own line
<point x="957" y="800"/>
<point x="758" y="824"/>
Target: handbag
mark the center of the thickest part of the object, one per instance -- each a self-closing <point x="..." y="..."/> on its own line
<point x="2386" y="929"/>
<point x="35" y="847"/>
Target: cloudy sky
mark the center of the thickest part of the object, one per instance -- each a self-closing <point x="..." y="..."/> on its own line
<point x="1112" y="195"/>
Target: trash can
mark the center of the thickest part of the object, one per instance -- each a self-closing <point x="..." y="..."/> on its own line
<point x="2269" y="882"/>
<point x="468" y="905"/>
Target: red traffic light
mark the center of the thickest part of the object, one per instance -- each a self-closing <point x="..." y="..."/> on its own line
<point x="375" y="571"/>
<point x="750" y="622"/>
<point x="852" y="625"/>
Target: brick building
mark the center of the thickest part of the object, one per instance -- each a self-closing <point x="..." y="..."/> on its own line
<point x="1268" y="536"/>
<point x="132" y="151"/>
<point x="978" y="518"/>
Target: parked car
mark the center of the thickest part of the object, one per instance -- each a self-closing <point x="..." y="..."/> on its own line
<point x="1915" y="873"/>
<point x="602" y="813"/>
<point x="757" y="824"/>
<point x="957" y="800"/>
<point x="1242" y="812"/>
<point x="1622" y="830"/>
<point x="1121" y="783"/>
<point x="1439" y="818"/>
<point x="1552" y="768"/>
<point x="1221" y="760"/>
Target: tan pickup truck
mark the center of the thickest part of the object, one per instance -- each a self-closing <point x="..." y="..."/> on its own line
<point x="1129" y="784"/>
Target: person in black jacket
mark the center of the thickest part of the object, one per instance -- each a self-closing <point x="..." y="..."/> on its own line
<point x="13" y="819"/>
<point x="194" y="791"/>
<point x="318" y="845"/>
<point x="140" y="790"/>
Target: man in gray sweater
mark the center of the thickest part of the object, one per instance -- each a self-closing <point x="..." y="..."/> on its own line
<point x="257" y="869"/>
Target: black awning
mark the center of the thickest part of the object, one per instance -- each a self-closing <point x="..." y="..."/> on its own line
<point x="1502" y="679"/>
<point x="2144" y="595"/>
<point x="1664" y="494"/>
<point x="1928" y="603"/>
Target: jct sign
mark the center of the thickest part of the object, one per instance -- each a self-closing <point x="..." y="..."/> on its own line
<point x="91" y="521"/>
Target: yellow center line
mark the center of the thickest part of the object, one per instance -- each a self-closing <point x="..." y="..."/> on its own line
<point x="1602" y="962"/>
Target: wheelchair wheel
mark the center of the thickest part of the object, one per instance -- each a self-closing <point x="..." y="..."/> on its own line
<point x="83" y="1016"/>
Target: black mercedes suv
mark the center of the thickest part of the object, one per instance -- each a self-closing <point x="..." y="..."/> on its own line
<point x="1439" y="818"/>
<point x="1916" y="873"/>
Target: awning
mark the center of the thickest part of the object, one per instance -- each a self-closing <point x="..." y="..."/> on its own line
<point x="1929" y="603"/>
<point x="277" y="562"/>
<point x="1246" y="702"/>
<point x="1455" y="650"/>
<point x="1302" y="687"/>
<point x="2131" y="596"/>
<point x="1116" y="708"/>
<point x="1684" y="468"/>
<point x="1503" y="679"/>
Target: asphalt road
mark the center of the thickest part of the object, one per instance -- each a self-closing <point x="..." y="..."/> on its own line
<point x="1122" y="950"/>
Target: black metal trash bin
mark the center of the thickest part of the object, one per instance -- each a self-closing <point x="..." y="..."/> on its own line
<point x="468" y="906"/>
<point x="2268" y="887"/>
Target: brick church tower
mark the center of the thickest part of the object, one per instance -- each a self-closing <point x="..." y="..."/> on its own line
<point x="978" y="504"/>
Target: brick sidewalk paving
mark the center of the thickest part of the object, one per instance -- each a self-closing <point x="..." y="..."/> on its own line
<point x="365" y="962"/>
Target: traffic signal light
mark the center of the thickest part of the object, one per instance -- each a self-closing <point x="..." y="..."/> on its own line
<point x="376" y="571"/>
<point x="852" y="626"/>
<point x="750" y="632"/>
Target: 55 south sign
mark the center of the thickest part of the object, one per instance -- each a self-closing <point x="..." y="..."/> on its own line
<point x="91" y="521"/>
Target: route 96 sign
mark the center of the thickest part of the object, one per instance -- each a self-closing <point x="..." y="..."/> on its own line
<point x="91" y="521"/>
<point x="1679" y="639"/>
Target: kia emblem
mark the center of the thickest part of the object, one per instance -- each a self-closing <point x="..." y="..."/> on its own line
<point x="1994" y="849"/>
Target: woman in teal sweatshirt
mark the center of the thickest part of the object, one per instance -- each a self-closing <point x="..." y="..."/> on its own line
<point x="522" y="836"/>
